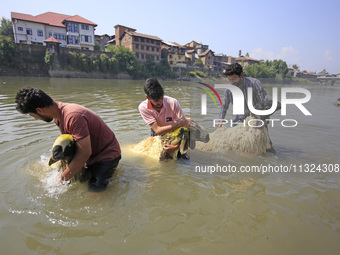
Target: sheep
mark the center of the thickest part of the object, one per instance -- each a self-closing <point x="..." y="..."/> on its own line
<point x="243" y="137"/>
<point x="153" y="146"/>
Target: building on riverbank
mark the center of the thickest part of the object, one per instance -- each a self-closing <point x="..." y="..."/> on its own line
<point x="71" y="31"/>
<point x="174" y="53"/>
<point x="145" y="46"/>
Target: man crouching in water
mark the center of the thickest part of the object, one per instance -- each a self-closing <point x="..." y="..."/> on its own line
<point x="162" y="113"/>
<point x="97" y="146"/>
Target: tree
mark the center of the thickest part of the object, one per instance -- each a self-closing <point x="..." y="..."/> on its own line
<point x="270" y="69"/>
<point x="126" y="58"/>
<point x="296" y="67"/>
<point x="198" y="62"/>
<point x="239" y="53"/>
<point x="96" y="45"/>
<point x="7" y="50"/>
<point x="6" y="28"/>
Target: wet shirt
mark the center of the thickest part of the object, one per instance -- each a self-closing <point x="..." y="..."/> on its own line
<point x="170" y="113"/>
<point x="259" y="95"/>
<point x="80" y="122"/>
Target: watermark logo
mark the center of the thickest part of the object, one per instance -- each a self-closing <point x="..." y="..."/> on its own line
<point x="204" y="97"/>
<point x="239" y="100"/>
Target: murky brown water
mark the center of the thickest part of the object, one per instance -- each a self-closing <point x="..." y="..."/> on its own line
<point x="167" y="208"/>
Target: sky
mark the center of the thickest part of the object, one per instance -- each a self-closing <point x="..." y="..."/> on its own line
<point x="301" y="32"/>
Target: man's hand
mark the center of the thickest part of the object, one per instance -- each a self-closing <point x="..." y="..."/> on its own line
<point x="170" y="148"/>
<point x="184" y="123"/>
<point x="84" y="151"/>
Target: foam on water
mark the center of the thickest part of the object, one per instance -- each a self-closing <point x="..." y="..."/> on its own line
<point x="49" y="176"/>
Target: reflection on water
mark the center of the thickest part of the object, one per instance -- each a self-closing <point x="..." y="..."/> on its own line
<point x="153" y="207"/>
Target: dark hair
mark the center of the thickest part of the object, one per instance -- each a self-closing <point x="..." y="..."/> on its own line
<point x="29" y="99"/>
<point x="153" y="89"/>
<point x="232" y="69"/>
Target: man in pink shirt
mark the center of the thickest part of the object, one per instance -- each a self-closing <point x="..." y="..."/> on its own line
<point x="97" y="146"/>
<point x="162" y="113"/>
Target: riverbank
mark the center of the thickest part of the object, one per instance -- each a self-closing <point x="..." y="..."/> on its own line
<point x="59" y="73"/>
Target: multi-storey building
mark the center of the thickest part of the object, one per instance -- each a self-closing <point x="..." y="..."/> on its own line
<point x="207" y="57"/>
<point x="71" y="31"/>
<point x="174" y="53"/>
<point x="222" y="61"/>
<point x="145" y="46"/>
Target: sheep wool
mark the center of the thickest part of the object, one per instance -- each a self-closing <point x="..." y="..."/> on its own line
<point x="151" y="147"/>
<point x="241" y="138"/>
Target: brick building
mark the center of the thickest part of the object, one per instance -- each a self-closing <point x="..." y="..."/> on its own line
<point x="145" y="46"/>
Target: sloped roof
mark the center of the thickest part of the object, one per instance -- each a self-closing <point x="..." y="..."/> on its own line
<point x="194" y="42"/>
<point x="173" y="44"/>
<point x="52" y="39"/>
<point x="206" y="52"/>
<point x="245" y="58"/>
<point x="190" y="51"/>
<point x="143" y="35"/>
<point x="51" y="18"/>
<point x="129" y="28"/>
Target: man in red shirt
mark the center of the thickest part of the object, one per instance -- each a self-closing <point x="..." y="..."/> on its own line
<point x="97" y="146"/>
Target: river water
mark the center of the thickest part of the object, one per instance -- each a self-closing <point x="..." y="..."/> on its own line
<point x="155" y="207"/>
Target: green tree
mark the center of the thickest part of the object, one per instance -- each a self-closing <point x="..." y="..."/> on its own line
<point x="96" y="45"/>
<point x="85" y="63"/>
<point x="198" y="62"/>
<point x="113" y="65"/>
<point x="105" y="63"/>
<point x="296" y="67"/>
<point x="49" y="59"/>
<point x="270" y="69"/>
<point x="6" y="28"/>
<point x="126" y="58"/>
<point x="7" y="50"/>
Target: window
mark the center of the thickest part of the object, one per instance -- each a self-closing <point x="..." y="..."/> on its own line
<point x="71" y="39"/>
<point x="59" y="36"/>
<point x="86" y="38"/>
<point x="147" y="47"/>
<point x="85" y="27"/>
<point x="142" y="40"/>
<point x="40" y="32"/>
<point x="72" y="27"/>
<point x="20" y="29"/>
<point x="142" y="47"/>
<point x="136" y="39"/>
<point x="29" y="31"/>
<point x="137" y="46"/>
<point x="49" y="34"/>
